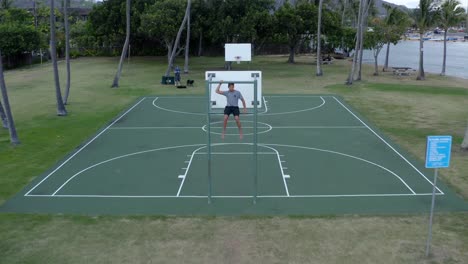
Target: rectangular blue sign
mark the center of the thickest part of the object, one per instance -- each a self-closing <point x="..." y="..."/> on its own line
<point x="438" y="151"/>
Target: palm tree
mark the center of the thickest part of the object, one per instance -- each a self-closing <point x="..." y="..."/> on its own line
<point x="389" y="20"/>
<point x="425" y="16"/>
<point x="61" y="111"/>
<point x="395" y="24"/>
<point x="177" y="40"/>
<point x="319" y="51"/>
<point x="363" y="25"/>
<point x="9" y="117"/>
<point x="67" y="49"/>
<point x="115" y="84"/>
<point x="187" y="43"/>
<point x="464" y="144"/>
<point x="450" y="15"/>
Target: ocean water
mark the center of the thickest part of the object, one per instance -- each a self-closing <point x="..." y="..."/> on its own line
<point x="406" y="54"/>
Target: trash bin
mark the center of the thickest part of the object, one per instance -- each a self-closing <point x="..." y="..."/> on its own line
<point x="167" y="80"/>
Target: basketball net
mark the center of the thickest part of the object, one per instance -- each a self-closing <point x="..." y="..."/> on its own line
<point x="238" y="59"/>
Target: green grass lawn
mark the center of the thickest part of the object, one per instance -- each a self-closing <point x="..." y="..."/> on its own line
<point x="405" y="109"/>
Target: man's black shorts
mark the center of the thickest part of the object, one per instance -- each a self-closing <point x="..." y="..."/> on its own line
<point x="228" y="110"/>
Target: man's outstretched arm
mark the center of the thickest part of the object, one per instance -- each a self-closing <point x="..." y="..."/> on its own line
<point x="219" y="86"/>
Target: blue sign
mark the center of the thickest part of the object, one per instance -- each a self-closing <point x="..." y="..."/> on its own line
<point x="438" y="151"/>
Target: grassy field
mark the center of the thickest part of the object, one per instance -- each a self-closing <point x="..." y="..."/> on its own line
<point x="405" y="109"/>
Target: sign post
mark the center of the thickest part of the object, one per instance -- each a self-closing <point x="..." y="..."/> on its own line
<point x="437" y="156"/>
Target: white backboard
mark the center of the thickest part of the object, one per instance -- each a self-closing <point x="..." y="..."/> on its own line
<point x="247" y="90"/>
<point x="232" y="50"/>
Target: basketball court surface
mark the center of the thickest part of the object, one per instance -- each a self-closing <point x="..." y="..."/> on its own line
<point x="316" y="156"/>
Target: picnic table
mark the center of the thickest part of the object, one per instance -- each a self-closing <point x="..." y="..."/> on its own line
<point x="402" y="71"/>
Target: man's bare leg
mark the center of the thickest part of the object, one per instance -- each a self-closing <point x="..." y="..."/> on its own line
<point x="226" y="117"/>
<point x="239" y="126"/>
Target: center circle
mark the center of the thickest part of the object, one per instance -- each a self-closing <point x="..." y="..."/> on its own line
<point x="266" y="128"/>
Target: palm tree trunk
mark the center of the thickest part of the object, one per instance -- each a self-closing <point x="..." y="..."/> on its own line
<point x="343" y="22"/>
<point x="464" y="144"/>
<point x="3" y="116"/>
<point x="61" y="111"/>
<point x="343" y="12"/>
<point x="361" y="44"/>
<point x="176" y="43"/>
<point x="319" y="51"/>
<point x="445" y="53"/>
<point x="385" y="68"/>
<point x="67" y="50"/>
<point x="376" y="65"/>
<point x="115" y="84"/>
<point x="292" y="50"/>
<point x="187" y="43"/>
<point x="356" y="47"/>
<point x="9" y="117"/>
<point x="35" y="14"/>
<point x="421" y="75"/>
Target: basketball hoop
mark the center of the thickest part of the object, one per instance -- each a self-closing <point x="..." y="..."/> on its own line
<point x="238" y="59"/>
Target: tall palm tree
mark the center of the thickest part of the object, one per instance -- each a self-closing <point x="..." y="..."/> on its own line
<point x="177" y="41"/>
<point x="395" y="24"/>
<point x="350" y="79"/>
<point x="450" y="14"/>
<point x="388" y="21"/>
<point x="67" y="49"/>
<point x="425" y="17"/>
<point x="363" y="25"/>
<point x="61" y="111"/>
<point x="187" y="43"/>
<point x="115" y="83"/>
<point x="9" y="117"/>
<point x="319" y="50"/>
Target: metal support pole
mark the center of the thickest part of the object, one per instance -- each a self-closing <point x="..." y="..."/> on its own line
<point x="255" y="140"/>
<point x="208" y="119"/>
<point x="429" y="238"/>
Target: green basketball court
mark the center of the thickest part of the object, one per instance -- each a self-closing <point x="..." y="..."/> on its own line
<point x="315" y="155"/>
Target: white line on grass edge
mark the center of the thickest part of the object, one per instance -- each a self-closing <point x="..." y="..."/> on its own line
<point x="387" y="144"/>
<point x="78" y="151"/>
<point x="232" y="196"/>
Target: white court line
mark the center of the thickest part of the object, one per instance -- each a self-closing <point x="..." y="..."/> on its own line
<point x="117" y="128"/>
<point x="176" y="97"/>
<point x="349" y="156"/>
<point x="265" y="104"/>
<point x="318" y="127"/>
<point x="187" y="169"/>
<point x="119" y="157"/>
<point x="281" y="168"/>
<point x="231" y="196"/>
<point x="224" y="153"/>
<point x="299" y="96"/>
<point x="279" y="127"/>
<point x="387" y="144"/>
<point x="89" y="142"/>
<point x="173" y="111"/>
<point x="236" y="153"/>
<point x="190" y="113"/>
<point x="297" y="111"/>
